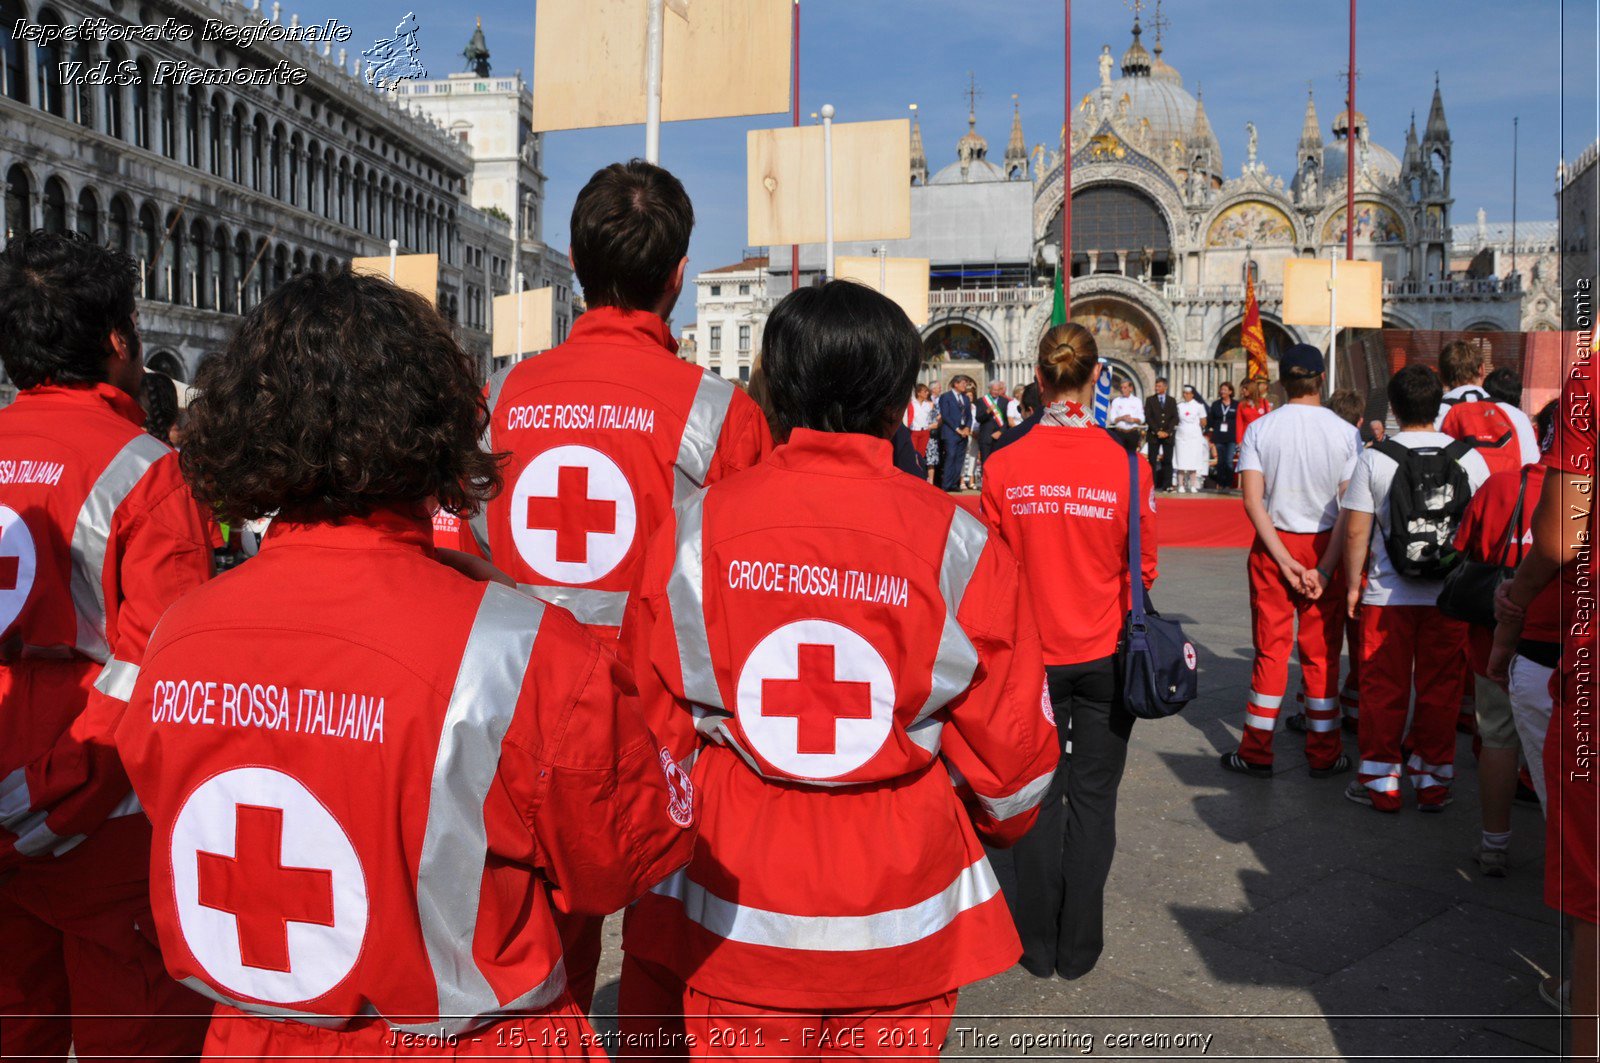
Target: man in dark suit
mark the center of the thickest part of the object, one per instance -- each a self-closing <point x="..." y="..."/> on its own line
<point x="1161" y="424"/>
<point x="955" y="425"/>
<point x="990" y="411"/>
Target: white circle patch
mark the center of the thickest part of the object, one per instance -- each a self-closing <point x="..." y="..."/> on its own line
<point x="816" y="699"/>
<point x="271" y="896"/>
<point x="1189" y="657"/>
<point x="18" y="563"/>
<point x="572" y="515"/>
<point x="1047" y="706"/>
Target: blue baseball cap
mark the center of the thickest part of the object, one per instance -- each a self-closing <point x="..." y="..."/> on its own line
<point x="1302" y="360"/>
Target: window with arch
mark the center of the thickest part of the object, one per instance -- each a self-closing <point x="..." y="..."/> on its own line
<point x="111" y="95"/>
<point x="140" y="91"/>
<point x="175" y="261"/>
<point x="222" y="266"/>
<point x="19" y="195"/>
<point x="55" y="206"/>
<point x="260" y="269"/>
<point x="118" y="227"/>
<point x="169" y="118"/>
<point x="1122" y="228"/>
<point x="1250" y="272"/>
<point x="89" y="215"/>
<point x="13" y="62"/>
<point x="201" y="283"/>
<point x="241" y="271"/>
<point x="193" y="133"/>
<point x="275" y="162"/>
<point x="147" y="246"/>
<point x="214" y="120"/>
<point x="47" y="67"/>
<point x="81" y="97"/>
<point x="293" y="196"/>
<point x="236" y="145"/>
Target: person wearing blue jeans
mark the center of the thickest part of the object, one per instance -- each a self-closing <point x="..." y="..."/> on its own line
<point x="1223" y="419"/>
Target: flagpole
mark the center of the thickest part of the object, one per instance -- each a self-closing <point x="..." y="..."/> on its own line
<point x="654" y="31"/>
<point x="1064" y="265"/>
<point x="1514" y="122"/>
<point x="1350" y="147"/>
<point x="794" y="103"/>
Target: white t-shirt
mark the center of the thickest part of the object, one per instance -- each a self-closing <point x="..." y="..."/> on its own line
<point x="1527" y="436"/>
<point x="1303" y="453"/>
<point x="1465" y="393"/>
<point x="924" y="413"/>
<point x="1369" y="493"/>
<point x="1014" y="412"/>
<point x="1125" y="404"/>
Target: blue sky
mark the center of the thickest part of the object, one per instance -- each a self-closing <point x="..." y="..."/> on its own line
<point x="1252" y="58"/>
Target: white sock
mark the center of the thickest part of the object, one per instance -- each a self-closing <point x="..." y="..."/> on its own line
<point x="1501" y="841"/>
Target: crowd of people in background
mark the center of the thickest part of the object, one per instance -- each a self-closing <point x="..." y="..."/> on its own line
<point x="610" y="634"/>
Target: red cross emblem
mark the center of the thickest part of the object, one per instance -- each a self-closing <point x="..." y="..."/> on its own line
<point x="572" y="514"/>
<point x="262" y="895"/>
<point x="816" y="700"/>
<point x="17" y="565"/>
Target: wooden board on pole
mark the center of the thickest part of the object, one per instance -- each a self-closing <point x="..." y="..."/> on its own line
<point x="906" y="280"/>
<point x="1305" y="293"/>
<point x="871" y="196"/>
<point x="417" y="273"/>
<point x="720" y="59"/>
<point x="538" y="322"/>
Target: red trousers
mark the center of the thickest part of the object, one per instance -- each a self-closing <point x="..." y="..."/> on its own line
<point x="1350" y="692"/>
<point x="650" y="1013"/>
<point x="1275" y="610"/>
<point x="726" y="1029"/>
<point x="559" y="1031"/>
<point x="580" y="950"/>
<point x="77" y="939"/>
<point x="1406" y="646"/>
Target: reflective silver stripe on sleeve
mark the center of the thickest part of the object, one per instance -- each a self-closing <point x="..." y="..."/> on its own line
<point x="128" y="806"/>
<point x="15" y="800"/>
<point x="92" y="532"/>
<point x="1025" y="799"/>
<point x="34" y="838"/>
<point x="596" y="608"/>
<point x="267" y="1011"/>
<point x="117" y="678"/>
<point x="833" y="933"/>
<point x="455" y="843"/>
<point x="927" y="734"/>
<point x="957" y="658"/>
<point x="686" y="598"/>
<point x="701" y="430"/>
<point x="478" y="523"/>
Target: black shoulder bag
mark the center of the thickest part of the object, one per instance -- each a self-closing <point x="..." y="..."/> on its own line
<point x="1468" y="591"/>
<point x="1156" y="662"/>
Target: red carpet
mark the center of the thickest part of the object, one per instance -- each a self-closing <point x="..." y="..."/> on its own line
<point x="1215" y="521"/>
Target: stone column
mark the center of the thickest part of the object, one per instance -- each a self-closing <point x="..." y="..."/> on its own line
<point x="180" y="128"/>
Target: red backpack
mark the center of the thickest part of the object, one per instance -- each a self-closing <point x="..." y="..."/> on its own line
<point x="1487" y="425"/>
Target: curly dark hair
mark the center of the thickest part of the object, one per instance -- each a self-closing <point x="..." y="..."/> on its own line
<point x="339" y="394"/>
<point x="159" y="397"/>
<point x="61" y="297"/>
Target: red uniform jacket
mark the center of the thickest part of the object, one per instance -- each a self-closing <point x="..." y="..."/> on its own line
<point x="1059" y="498"/>
<point x="606" y="432"/>
<point x="371" y="779"/>
<point x="843" y="644"/>
<point x="1482" y="531"/>
<point x="98" y="535"/>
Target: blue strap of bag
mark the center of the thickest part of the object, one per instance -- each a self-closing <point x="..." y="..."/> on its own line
<point x="1135" y="572"/>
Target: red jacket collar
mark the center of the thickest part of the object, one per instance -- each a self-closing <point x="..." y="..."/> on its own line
<point x="835" y="454"/>
<point x="631" y="328"/>
<point x="408" y="529"/>
<point x="87" y="395"/>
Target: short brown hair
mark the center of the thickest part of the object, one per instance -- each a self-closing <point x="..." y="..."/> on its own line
<point x="1347" y="404"/>
<point x="1067" y="356"/>
<point x="1460" y="361"/>
<point x="630" y="229"/>
<point x="1299" y="385"/>
<point x="339" y="394"/>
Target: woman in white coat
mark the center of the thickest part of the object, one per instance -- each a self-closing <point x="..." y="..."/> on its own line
<point x="1191" y="453"/>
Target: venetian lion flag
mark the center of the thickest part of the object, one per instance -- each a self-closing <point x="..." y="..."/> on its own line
<point x="1251" y="338"/>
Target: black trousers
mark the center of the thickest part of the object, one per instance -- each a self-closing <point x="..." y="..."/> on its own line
<point x="1159" y="451"/>
<point x="1057" y="894"/>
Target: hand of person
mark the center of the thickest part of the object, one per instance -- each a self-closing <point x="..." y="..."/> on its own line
<point x="1507" y="611"/>
<point x="474" y="567"/>
<point x="1294" y="574"/>
<point x="1313" y="584"/>
<point x="1500" y="655"/>
<point x="994" y="435"/>
<point x="1352" y="601"/>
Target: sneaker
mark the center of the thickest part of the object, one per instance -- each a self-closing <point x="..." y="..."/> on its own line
<point x="1296" y="723"/>
<point x="1556" y="993"/>
<point x="1338" y="767"/>
<point x="1357" y="791"/>
<point x="1435" y="804"/>
<point x="1235" y="763"/>
<point x="1492" y="862"/>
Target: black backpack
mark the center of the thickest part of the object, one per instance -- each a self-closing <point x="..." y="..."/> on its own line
<point x="1429" y="494"/>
